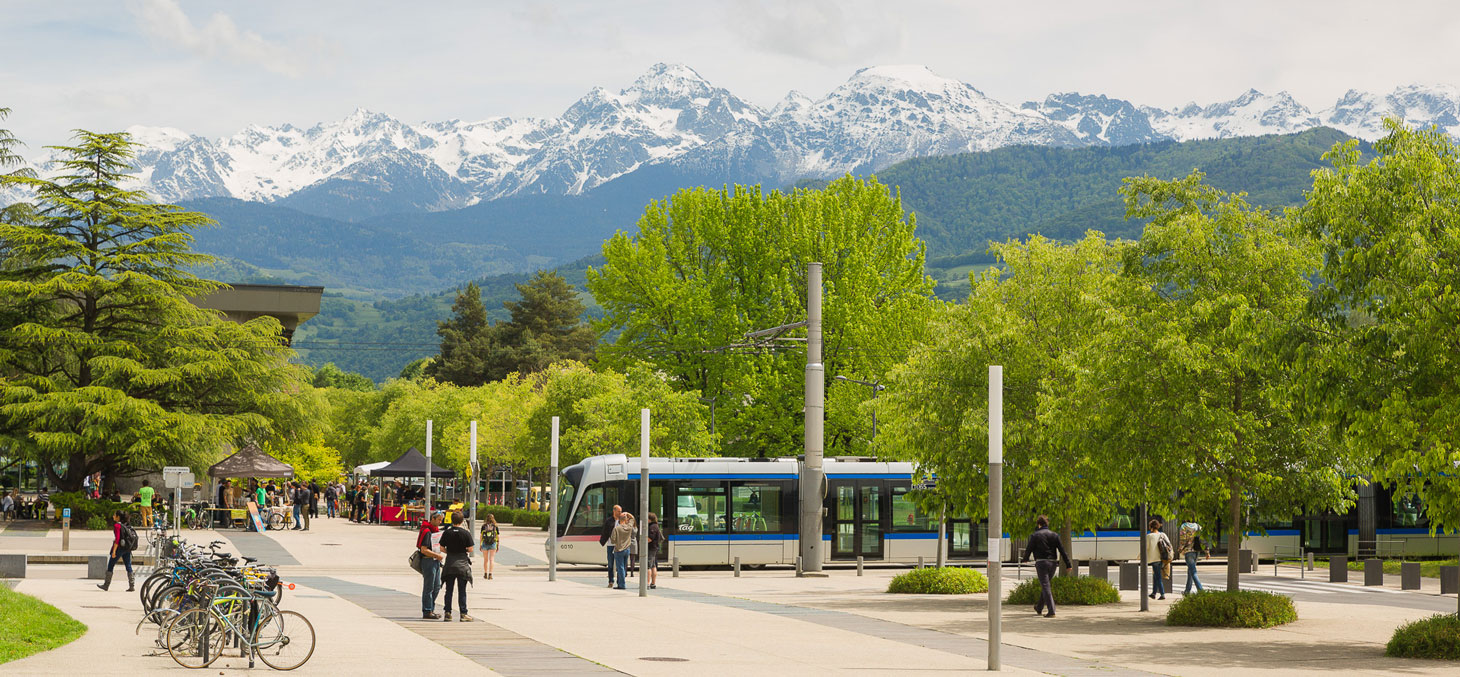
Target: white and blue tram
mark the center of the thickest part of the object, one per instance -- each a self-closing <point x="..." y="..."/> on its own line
<point x="716" y="509"/>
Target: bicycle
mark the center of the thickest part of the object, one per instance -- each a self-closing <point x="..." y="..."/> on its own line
<point x="283" y="640"/>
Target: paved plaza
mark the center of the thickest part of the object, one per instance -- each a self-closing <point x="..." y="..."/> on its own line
<point x="354" y="585"/>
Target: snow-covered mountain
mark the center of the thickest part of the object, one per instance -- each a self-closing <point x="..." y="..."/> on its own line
<point x="674" y="121"/>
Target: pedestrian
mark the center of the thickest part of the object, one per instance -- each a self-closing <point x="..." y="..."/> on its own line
<point x="428" y="543"/>
<point x="456" y="572"/>
<point x="7" y="505"/>
<point x="145" y="497"/>
<point x="124" y="540"/>
<point x="313" y="501"/>
<point x="651" y="562"/>
<point x="307" y="493"/>
<point x="1047" y="549"/>
<point x="491" y="537"/>
<point x="623" y="534"/>
<point x="1191" y="543"/>
<point x="298" y="506"/>
<point x="605" y="533"/>
<point x="1158" y="555"/>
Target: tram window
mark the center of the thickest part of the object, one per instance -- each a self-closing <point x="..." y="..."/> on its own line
<point x="595" y="507"/>
<point x="756" y="507"/>
<point x="906" y="516"/>
<point x="565" y="502"/>
<point x="701" y="508"/>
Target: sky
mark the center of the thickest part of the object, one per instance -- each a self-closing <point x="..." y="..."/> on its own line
<point x="211" y="67"/>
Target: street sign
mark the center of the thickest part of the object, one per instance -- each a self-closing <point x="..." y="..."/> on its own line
<point x="174" y="477"/>
<point x="65" y="513"/>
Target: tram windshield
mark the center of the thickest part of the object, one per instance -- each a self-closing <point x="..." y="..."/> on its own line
<point x="565" y="501"/>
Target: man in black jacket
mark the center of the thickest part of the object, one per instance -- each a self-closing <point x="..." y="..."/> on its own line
<point x="1045" y="546"/>
<point x="609" y="522"/>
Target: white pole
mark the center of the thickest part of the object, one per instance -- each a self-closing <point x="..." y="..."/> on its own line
<point x="471" y="491"/>
<point x="812" y="479"/>
<point x="643" y="502"/>
<point x="553" y="517"/>
<point x="428" y="469"/>
<point x="996" y="510"/>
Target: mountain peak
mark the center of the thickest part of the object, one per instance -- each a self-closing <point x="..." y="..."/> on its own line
<point x="910" y="76"/>
<point x="668" y="82"/>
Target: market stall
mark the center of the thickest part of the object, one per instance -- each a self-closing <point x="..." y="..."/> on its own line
<point x="248" y="461"/>
<point x="409" y="465"/>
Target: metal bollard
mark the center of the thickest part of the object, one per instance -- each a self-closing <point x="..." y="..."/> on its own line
<point x="1100" y="569"/>
<point x="859" y="565"/>
<point x="1130" y="576"/>
<point x="1338" y="569"/>
<point x="1409" y="576"/>
<point x="1373" y="571"/>
<point x="1311" y="561"/>
<point x="1449" y="580"/>
<point x="676" y="568"/>
<point x="799" y="572"/>
<point x="920" y="561"/>
<point x="737" y="567"/>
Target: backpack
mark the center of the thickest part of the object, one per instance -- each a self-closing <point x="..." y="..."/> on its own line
<point x="489" y="537"/>
<point x="1164" y="547"/>
<point x="129" y="537"/>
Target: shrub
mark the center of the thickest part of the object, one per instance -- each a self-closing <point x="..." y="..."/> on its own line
<point x="96" y="522"/>
<point x="939" y="581"/>
<point x="1079" y="590"/>
<point x="1239" y="609"/>
<point x="1435" y="637"/>
<point x="83" y="509"/>
<point x="531" y="518"/>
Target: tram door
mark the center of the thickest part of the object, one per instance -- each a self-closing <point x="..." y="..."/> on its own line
<point x="857" y="520"/>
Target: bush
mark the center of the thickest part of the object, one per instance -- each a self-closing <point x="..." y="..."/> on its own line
<point x="531" y="518"/>
<point x="1240" y="609"/>
<point x="1435" y="637"/>
<point x="1078" y="590"/>
<point x="83" y="509"/>
<point x="513" y="516"/>
<point x="939" y="581"/>
<point x="96" y="522"/>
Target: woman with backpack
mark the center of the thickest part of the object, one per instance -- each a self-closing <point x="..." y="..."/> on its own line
<point x="491" y="536"/>
<point x="1158" y="555"/>
<point x="124" y="541"/>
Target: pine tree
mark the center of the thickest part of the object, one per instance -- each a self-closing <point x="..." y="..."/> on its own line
<point x="466" y="342"/>
<point x="107" y="364"/>
<point x="546" y="327"/>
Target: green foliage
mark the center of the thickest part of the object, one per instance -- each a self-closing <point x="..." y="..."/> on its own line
<point x="85" y="510"/>
<point x="97" y="523"/>
<point x="707" y="266"/>
<point x="311" y="460"/>
<point x="1076" y="590"/>
<point x="32" y="626"/>
<point x="546" y="326"/>
<point x="110" y="367"/>
<point x="1040" y="316"/>
<point x="1235" y="609"/>
<point x="939" y="581"/>
<point x="1435" y="637"/>
<point x="521" y="517"/>
<point x="330" y="376"/>
<point x="1429" y="568"/>
<point x="1389" y="306"/>
<point x="467" y="342"/>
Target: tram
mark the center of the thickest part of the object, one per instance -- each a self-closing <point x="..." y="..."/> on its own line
<point x="714" y="510"/>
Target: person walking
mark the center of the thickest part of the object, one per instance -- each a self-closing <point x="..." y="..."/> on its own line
<point x="298" y="506"/>
<point x="1190" y="544"/>
<point x="124" y="540"/>
<point x="491" y="537"/>
<point x="145" y="497"/>
<point x="623" y="534"/>
<point x="428" y="542"/>
<point x="1158" y="555"/>
<point x="7" y="505"/>
<point x="1046" y="548"/>
<point x="313" y="504"/>
<point x="651" y="561"/>
<point x="456" y="572"/>
<point x="310" y="506"/>
<point x="605" y="533"/>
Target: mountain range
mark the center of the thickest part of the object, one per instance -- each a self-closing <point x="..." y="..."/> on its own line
<point x="671" y="127"/>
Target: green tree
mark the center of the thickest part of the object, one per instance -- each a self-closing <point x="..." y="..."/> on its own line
<point x="311" y="460"/>
<point x="330" y="376"/>
<point x="547" y="326"/>
<point x="1202" y="386"/>
<point x="110" y="367"/>
<point x="1037" y="315"/>
<point x="467" y="342"/>
<point x="1389" y="303"/>
<point x="707" y="266"/>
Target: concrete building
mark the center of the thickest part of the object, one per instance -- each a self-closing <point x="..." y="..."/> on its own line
<point x="290" y="304"/>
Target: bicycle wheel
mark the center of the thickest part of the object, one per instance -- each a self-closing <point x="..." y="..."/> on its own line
<point x="195" y="638"/>
<point x="284" y="640"/>
<point x="149" y="586"/>
<point x="205" y="519"/>
<point x="276" y="521"/>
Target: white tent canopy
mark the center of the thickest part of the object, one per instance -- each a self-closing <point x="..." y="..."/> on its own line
<point x="369" y="467"/>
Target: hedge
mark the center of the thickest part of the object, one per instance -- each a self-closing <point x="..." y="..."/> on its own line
<point x="939" y="581"/>
<point x="519" y="517"/>
<point x="1435" y="637"/>
<point x="1077" y="590"/>
<point x="83" y="509"/>
<point x="1238" y="609"/>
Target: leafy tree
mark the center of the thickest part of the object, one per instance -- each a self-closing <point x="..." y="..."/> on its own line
<point x="403" y="424"/>
<point x="467" y="342"/>
<point x="546" y="327"/>
<point x="330" y="376"/>
<point x="311" y="460"/>
<point x="416" y="370"/>
<point x="707" y="266"/>
<point x="1038" y="315"/>
<point x="1389" y="304"/>
<point x="111" y="368"/>
<point x="1202" y="386"/>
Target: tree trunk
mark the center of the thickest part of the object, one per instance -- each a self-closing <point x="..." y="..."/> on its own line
<point x="1234" y="540"/>
<point x="1067" y="542"/>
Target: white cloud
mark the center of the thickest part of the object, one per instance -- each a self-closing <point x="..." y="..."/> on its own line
<point x="220" y="37"/>
<point x="823" y="31"/>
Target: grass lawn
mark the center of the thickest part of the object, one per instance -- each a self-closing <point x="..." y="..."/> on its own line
<point x="1429" y="568"/>
<point x="32" y="626"/>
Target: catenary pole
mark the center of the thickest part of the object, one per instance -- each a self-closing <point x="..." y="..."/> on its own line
<point x="1141" y="529"/>
<point x="643" y="502"/>
<point x="471" y="491"/>
<point x="996" y="510"/>
<point x="812" y="480"/>
<point x="428" y="470"/>
<point x="553" y="516"/>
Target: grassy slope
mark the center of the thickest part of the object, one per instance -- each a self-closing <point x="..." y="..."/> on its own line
<point x="31" y="626"/>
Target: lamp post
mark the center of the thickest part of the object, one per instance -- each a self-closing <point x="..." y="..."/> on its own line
<point x="876" y="388"/>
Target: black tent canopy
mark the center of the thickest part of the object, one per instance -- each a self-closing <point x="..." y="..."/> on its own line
<point x="411" y="464"/>
<point x="250" y="461"/>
